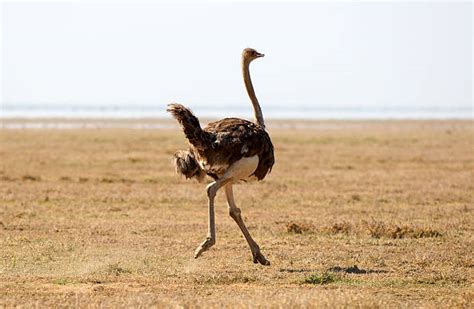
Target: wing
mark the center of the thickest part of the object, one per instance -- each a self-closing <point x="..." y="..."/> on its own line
<point x="235" y="138"/>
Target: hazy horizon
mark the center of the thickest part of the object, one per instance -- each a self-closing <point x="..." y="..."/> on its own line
<point x="339" y="54"/>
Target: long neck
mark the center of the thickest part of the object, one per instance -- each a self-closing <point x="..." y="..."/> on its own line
<point x="251" y="92"/>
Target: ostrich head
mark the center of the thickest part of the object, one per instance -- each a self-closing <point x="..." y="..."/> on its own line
<point x="250" y="54"/>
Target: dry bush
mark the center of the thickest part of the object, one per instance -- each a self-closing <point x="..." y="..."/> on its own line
<point x="30" y="178"/>
<point x="298" y="227"/>
<point x="343" y="227"/>
<point x="414" y="232"/>
<point x="6" y="178"/>
<point x="375" y="229"/>
<point x="379" y="229"/>
<point x="355" y="197"/>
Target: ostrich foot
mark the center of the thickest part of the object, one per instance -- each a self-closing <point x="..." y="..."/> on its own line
<point x="259" y="258"/>
<point x="208" y="243"/>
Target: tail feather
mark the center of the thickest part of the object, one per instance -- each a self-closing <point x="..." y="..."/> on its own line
<point x="190" y="124"/>
<point x="186" y="165"/>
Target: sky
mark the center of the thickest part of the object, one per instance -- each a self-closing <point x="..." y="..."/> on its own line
<point x="317" y="53"/>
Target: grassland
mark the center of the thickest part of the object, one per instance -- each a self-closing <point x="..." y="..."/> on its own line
<point x="370" y="214"/>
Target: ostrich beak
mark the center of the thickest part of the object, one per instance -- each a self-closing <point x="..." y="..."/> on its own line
<point x="260" y="55"/>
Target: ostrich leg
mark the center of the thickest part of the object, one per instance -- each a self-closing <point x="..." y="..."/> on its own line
<point x="211" y="233"/>
<point x="234" y="212"/>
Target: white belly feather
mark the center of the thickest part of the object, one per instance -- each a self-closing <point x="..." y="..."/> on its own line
<point x="239" y="170"/>
<point x="242" y="169"/>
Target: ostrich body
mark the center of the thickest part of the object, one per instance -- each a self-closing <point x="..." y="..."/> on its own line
<point x="229" y="150"/>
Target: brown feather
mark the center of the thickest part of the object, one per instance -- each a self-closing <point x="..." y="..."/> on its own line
<point x="186" y="165"/>
<point x="234" y="139"/>
<point x="191" y="126"/>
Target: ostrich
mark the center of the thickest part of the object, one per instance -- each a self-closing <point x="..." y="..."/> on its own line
<point x="229" y="150"/>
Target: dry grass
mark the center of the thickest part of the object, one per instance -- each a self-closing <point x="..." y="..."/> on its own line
<point x="353" y="214"/>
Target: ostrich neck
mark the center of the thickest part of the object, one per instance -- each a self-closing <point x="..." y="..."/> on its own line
<point x="251" y="92"/>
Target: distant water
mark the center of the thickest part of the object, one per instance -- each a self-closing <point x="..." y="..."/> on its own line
<point x="244" y="110"/>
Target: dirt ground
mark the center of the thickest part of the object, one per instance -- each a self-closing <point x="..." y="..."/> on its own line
<point x="354" y="214"/>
